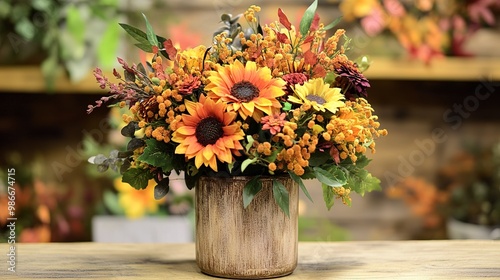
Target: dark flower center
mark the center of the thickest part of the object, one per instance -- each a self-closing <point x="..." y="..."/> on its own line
<point x="317" y="99"/>
<point x="208" y="131"/>
<point x="244" y="91"/>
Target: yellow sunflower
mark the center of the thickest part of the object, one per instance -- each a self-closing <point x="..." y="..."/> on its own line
<point x="248" y="90"/>
<point x="319" y="95"/>
<point x="208" y="133"/>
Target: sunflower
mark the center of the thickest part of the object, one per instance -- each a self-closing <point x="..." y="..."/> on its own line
<point x="208" y="133"/>
<point x="247" y="90"/>
<point x="319" y="95"/>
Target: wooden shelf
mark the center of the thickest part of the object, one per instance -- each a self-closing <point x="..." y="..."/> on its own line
<point x="445" y="69"/>
<point x="29" y="79"/>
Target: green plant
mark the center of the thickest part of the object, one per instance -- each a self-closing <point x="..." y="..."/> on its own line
<point x="474" y="186"/>
<point x="70" y="35"/>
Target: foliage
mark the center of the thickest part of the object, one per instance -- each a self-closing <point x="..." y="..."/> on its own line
<point x="64" y="33"/>
<point x="263" y="101"/>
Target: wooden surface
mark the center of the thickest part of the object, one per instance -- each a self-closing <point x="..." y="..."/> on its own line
<point x="30" y="79"/>
<point x="318" y="261"/>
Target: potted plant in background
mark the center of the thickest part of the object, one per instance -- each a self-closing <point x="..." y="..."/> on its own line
<point x="472" y="179"/>
<point x="464" y="202"/>
<point x="59" y="35"/>
<point x="246" y="120"/>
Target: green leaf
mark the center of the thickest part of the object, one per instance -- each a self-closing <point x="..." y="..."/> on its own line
<point x="251" y="188"/>
<point x="333" y="23"/>
<point x="361" y="162"/>
<point x="135" y="143"/>
<point x="334" y="177"/>
<point x="136" y="33"/>
<point x="301" y="184"/>
<point x="161" y="189"/>
<point x="273" y="156"/>
<point x="25" y="28"/>
<point x="75" y="24"/>
<point x="246" y="163"/>
<point x="42" y="5"/>
<point x="281" y="196"/>
<point x="328" y="196"/>
<point x="111" y="202"/>
<point x="307" y="18"/>
<point x="250" y="141"/>
<point x="152" y="39"/>
<point x="287" y="106"/>
<point x="330" y="77"/>
<point x="137" y="177"/>
<point x="145" y="47"/>
<point x="318" y="159"/>
<point x="191" y="180"/>
<point x="361" y="181"/>
<point x="50" y="68"/>
<point x="129" y="129"/>
<point x="155" y="154"/>
<point x="308" y="174"/>
<point x="108" y="46"/>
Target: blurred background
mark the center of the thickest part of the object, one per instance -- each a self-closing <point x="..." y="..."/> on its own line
<point x="435" y="85"/>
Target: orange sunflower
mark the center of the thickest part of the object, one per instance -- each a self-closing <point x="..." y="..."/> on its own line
<point x="208" y="133"/>
<point x="248" y="90"/>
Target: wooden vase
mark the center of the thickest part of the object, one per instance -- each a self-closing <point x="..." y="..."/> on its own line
<point x="254" y="243"/>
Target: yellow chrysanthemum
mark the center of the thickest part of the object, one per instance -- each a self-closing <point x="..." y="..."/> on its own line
<point x="208" y="133"/>
<point x="248" y="90"/>
<point x="137" y="203"/>
<point x="318" y="95"/>
<point x="191" y="59"/>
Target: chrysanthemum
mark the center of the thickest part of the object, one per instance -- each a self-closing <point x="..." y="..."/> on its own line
<point x="273" y="123"/>
<point x="248" y="90"/>
<point x="208" y="133"/>
<point x="293" y="79"/>
<point x="319" y="95"/>
<point x="352" y="81"/>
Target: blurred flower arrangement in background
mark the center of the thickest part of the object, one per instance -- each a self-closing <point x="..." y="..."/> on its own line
<point x="425" y="28"/>
<point x="46" y="209"/>
<point x="467" y="189"/>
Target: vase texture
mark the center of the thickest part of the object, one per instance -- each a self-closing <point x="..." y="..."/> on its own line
<point x="254" y="243"/>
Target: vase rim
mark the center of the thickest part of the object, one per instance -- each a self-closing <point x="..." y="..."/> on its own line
<point x="245" y="178"/>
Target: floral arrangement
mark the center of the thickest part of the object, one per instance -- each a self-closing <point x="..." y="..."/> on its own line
<point x="425" y="28"/>
<point x="267" y="100"/>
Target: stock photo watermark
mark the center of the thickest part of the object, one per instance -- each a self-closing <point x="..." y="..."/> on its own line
<point x="75" y="155"/>
<point x="11" y="219"/>
<point x="453" y="117"/>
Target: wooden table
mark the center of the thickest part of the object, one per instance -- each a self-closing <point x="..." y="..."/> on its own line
<point x="334" y="260"/>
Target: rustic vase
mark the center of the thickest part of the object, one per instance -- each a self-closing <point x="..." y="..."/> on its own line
<point x="254" y="243"/>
